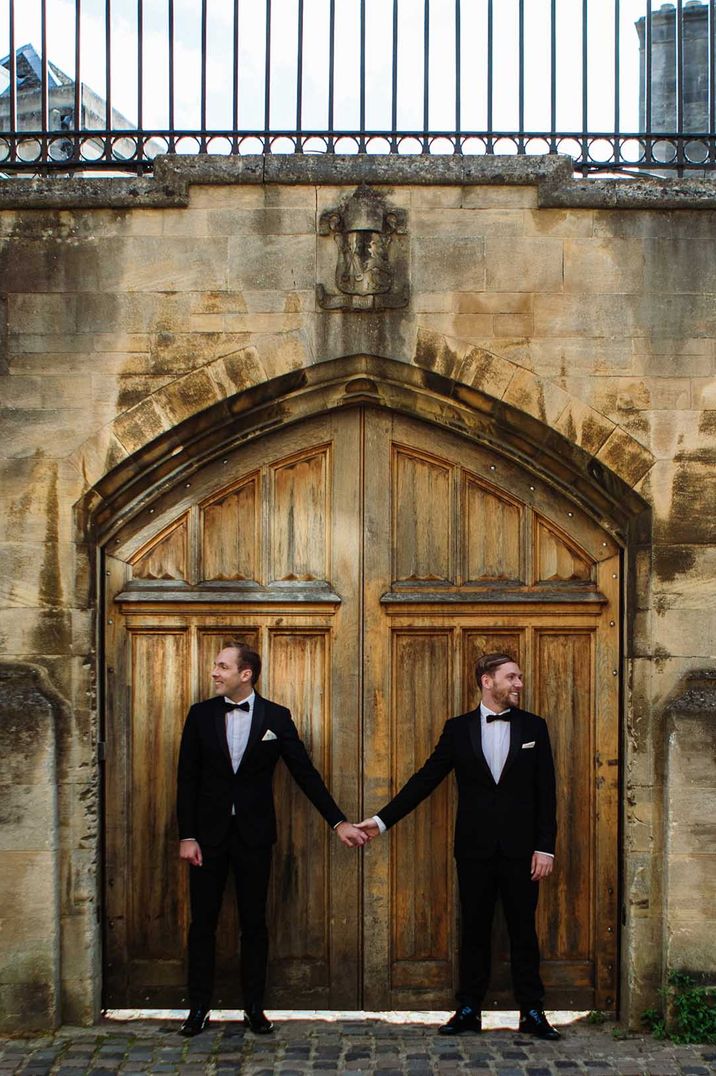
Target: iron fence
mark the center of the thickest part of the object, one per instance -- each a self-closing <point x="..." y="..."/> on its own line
<point x="618" y="85"/>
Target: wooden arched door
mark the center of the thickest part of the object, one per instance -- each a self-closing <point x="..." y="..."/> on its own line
<point x="371" y="558"/>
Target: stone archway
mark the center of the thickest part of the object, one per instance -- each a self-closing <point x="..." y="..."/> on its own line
<point x="139" y="498"/>
<point x="175" y="429"/>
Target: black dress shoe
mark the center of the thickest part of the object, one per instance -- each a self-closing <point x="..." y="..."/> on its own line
<point x="465" y="1019"/>
<point x="195" y="1023"/>
<point x="256" y="1019"/>
<point x="534" y="1022"/>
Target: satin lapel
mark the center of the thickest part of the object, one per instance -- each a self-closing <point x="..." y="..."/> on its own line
<point x="257" y="723"/>
<point x="475" y="726"/>
<point x="220" y="726"/>
<point x="515" y="741"/>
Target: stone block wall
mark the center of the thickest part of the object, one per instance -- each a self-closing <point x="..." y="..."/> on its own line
<point x="128" y="306"/>
<point x="690" y="868"/>
<point x="29" y="842"/>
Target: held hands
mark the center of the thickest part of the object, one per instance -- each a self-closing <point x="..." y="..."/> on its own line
<point x="351" y="836"/>
<point x="370" y="827"/>
<point x="191" y="852"/>
<point x="355" y="836"/>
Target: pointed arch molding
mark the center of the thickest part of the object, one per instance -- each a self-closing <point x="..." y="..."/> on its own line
<point x="602" y="480"/>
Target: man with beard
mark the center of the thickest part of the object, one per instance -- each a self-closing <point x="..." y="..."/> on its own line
<point x="505" y="832"/>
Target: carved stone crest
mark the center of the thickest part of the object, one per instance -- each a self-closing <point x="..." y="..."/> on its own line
<point x="371" y="268"/>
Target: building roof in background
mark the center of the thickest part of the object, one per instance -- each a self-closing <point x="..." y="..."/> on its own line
<point x="29" y="71"/>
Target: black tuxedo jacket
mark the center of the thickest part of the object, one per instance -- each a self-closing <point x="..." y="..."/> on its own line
<point x="207" y="786"/>
<point x="515" y="816"/>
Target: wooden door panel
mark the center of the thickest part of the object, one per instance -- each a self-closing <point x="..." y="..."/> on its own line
<point x="556" y="559"/>
<point x="564" y="679"/>
<point x="422" y="543"/>
<point x="230" y="532"/>
<point x="300" y="516"/>
<point x="300" y="898"/>
<point x="422" y="944"/>
<point x="156" y="871"/>
<point x="492" y="538"/>
<point x="164" y="557"/>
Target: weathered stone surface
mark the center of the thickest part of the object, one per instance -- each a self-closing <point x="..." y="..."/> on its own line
<point x="583" y="425"/>
<point x="690" y="814"/>
<point x="131" y="313"/>
<point x="164" y="264"/>
<point x="268" y="220"/>
<point x="140" y="424"/>
<point x="29" y="892"/>
<point x="684" y="498"/>
<point x="692" y="829"/>
<point x="488" y="198"/>
<point x="623" y="455"/>
<point x="461" y="222"/>
<point x="271" y="263"/>
<point x="487" y="372"/>
<point x="543" y="399"/>
<point x="237" y="371"/>
<point x="603" y="266"/>
<point x="569" y="315"/>
<point x="182" y="398"/>
<point x="579" y="315"/>
<point x="459" y="263"/>
<point x="533" y="265"/>
<point x="692" y="891"/>
<point x="564" y="223"/>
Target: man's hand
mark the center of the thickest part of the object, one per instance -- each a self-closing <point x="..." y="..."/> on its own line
<point x="350" y="835"/>
<point x="541" y="866"/>
<point x="191" y="852"/>
<point x="369" y="827"/>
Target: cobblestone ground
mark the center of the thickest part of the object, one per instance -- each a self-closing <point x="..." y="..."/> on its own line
<point x="383" y="1046"/>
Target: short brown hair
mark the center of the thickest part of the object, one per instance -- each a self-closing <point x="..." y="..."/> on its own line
<point x="246" y="658"/>
<point x="487" y="663"/>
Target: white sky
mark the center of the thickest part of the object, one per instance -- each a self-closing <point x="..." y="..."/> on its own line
<point x="379" y="37"/>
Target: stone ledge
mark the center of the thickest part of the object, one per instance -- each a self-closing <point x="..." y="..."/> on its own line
<point x="553" y="175"/>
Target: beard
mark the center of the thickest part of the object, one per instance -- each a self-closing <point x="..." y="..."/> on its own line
<point x="505" y="697"/>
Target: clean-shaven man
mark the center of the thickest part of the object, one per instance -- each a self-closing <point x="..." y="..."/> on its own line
<point x="504" y="835"/>
<point x="229" y="749"/>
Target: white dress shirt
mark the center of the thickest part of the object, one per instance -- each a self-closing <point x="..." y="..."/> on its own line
<point x="495" y="741"/>
<point x="238" y="727"/>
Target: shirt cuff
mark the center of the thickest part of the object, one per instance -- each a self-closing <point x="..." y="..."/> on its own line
<point x="550" y="854"/>
<point x="379" y="823"/>
<point x="182" y="839"/>
<point x="340" y="823"/>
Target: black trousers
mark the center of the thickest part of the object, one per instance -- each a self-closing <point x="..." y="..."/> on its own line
<point x="481" y="882"/>
<point x="251" y="868"/>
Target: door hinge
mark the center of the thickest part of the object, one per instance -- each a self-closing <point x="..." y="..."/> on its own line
<point x="101" y="750"/>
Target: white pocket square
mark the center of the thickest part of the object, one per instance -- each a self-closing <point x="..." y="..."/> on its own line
<point x="268" y="735"/>
<point x="530" y="744"/>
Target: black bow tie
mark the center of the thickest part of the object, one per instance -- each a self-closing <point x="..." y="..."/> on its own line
<point x="235" y="705"/>
<point x="506" y="716"/>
